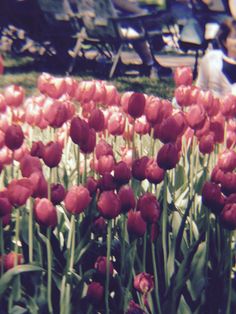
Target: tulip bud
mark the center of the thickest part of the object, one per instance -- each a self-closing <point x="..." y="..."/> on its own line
<point x="127" y="198"/>
<point x="109" y="204"/>
<point x="99" y="226"/>
<point x="91" y="185"/>
<point x="45" y="213"/>
<point x="107" y="182"/>
<point x="167" y="157"/>
<point x="77" y="199"/>
<point x="136" y="105"/>
<point x="88" y="147"/>
<point x="14" y="137"/>
<point x="79" y="130"/>
<point x="149" y="207"/>
<point x="95" y="292"/>
<point x="212" y="197"/>
<point x="122" y="173"/>
<point x="228" y="216"/>
<point x="139" y="168"/>
<point x="101" y="265"/>
<point x="227" y="161"/>
<point x="9" y="260"/>
<point x="136" y="226"/>
<point x="97" y="120"/>
<point x="58" y="193"/>
<point x="37" y="149"/>
<point x="144" y="282"/>
<point x="153" y="172"/>
<point x="52" y="152"/>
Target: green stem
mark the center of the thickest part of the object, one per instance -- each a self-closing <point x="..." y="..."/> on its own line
<point x="49" y="283"/>
<point x="78" y="166"/>
<point x="156" y="279"/>
<point x="17" y="234"/>
<point x="85" y="168"/>
<point x="164" y="231"/>
<point x="108" y="266"/>
<point x="2" y="251"/>
<point x="123" y="230"/>
<point x="228" y="309"/>
<point x="144" y="250"/>
<point x="49" y="183"/>
<point x="30" y="232"/>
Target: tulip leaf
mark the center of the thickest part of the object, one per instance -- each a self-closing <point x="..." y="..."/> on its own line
<point x="10" y="274"/>
<point x="18" y="310"/>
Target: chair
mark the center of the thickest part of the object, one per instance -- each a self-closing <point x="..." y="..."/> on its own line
<point x="110" y="33"/>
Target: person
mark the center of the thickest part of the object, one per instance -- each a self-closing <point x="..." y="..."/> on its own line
<point x="151" y="67"/>
<point x="217" y="69"/>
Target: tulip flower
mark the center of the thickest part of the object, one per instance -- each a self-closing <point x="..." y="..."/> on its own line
<point x="45" y="213"/>
<point x="29" y="165"/>
<point x="122" y="173"/>
<point x="139" y="168"/>
<point x="206" y="144"/>
<point x="79" y="130"/>
<point x="97" y="120"/>
<point x="144" y="282"/>
<point x="228" y="183"/>
<point x="9" y="260"/>
<point x="39" y="185"/>
<point x="183" y="76"/>
<point x="52" y="153"/>
<point x="228" y="216"/>
<point x="136" y="225"/>
<point x="5" y="206"/>
<point x="127" y="198"/>
<point x="149" y="207"/>
<point x="136" y="105"/>
<point x="217" y="126"/>
<point x="228" y="106"/>
<point x="77" y="199"/>
<point x="58" y="193"/>
<point x="109" y="204"/>
<point x="14" y="137"/>
<point x="1" y="65"/>
<point x="134" y="308"/>
<point x="88" y="147"/>
<point x="53" y="87"/>
<point x="212" y="197"/>
<point x="55" y="113"/>
<point x="116" y="123"/>
<point x="103" y="149"/>
<point x="153" y="110"/>
<point x="167" y="157"/>
<point x="196" y="117"/>
<point x="19" y="191"/>
<point x="100" y="265"/>
<point x="99" y="226"/>
<point x="92" y="185"/>
<point x="95" y="292"/>
<point x="227" y="160"/>
<point x="37" y="149"/>
<point x="153" y="172"/>
<point x="107" y="182"/>
<point x="14" y="95"/>
<point x="105" y="164"/>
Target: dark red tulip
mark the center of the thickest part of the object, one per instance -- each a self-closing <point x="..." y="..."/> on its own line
<point x="91" y="185"/>
<point x="101" y="265"/>
<point x="127" y="198"/>
<point x="97" y="120"/>
<point x="39" y="185"/>
<point x="171" y="127"/>
<point x="5" y="207"/>
<point x="56" y="114"/>
<point x="52" y="153"/>
<point x="207" y="144"/>
<point x="136" y="226"/>
<point x="105" y="164"/>
<point x="103" y="149"/>
<point x="99" y="226"/>
<point x="19" y="191"/>
<point x="217" y="126"/>
<point x="122" y="173"/>
<point x="79" y="130"/>
<point x="109" y="204"/>
<point x="139" y="168"/>
<point x="95" y="292"/>
<point x="58" y="193"/>
<point x="6" y="220"/>
<point x="154" y="232"/>
<point x="136" y="105"/>
<point x="228" y="183"/>
<point x="45" y="213"/>
<point x="88" y="147"/>
<point x="153" y="172"/>
<point x="217" y="175"/>
<point x="14" y="137"/>
<point x="149" y="207"/>
<point x="77" y="199"/>
<point x="29" y="165"/>
<point x="9" y="260"/>
<point x="144" y="282"/>
<point x="228" y="216"/>
<point x="212" y="197"/>
<point x="37" y="149"/>
<point x="134" y="308"/>
<point x="168" y="156"/>
<point x="107" y="182"/>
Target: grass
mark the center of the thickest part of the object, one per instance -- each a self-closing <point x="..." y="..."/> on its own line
<point x="24" y="71"/>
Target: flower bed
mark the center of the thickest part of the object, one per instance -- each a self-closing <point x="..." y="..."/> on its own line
<point x="116" y="203"/>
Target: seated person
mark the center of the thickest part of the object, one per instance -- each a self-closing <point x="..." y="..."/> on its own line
<point x="151" y="65"/>
<point x="217" y="70"/>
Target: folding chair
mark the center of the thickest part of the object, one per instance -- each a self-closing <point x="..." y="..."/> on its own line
<point x="110" y="33"/>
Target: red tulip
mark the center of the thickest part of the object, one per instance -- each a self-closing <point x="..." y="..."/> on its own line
<point x="228" y="216"/>
<point x="167" y="157"/>
<point x="217" y="175"/>
<point x="227" y="161"/>
<point x="29" y="165"/>
<point x="122" y="173"/>
<point x="231" y="139"/>
<point x="196" y="117"/>
<point x="91" y="185"/>
<point x="97" y="120"/>
<point x="149" y="207"/>
<point x="85" y="91"/>
<point x="204" y="130"/>
<point x="14" y="137"/>
<point x="217" y="126"/>
<point x="52" y="153"/>
<point x="127" y="198"/>
<point x="134" y="308"/>
<point x="5" y="207"/>
<point x="112" y="96"/>
<point x="109" y="204"/>
<point x="107" y="182"/>
<point x="105" y="164"/>
<point x="139" y="168"/>
<point x="228" y="183"/>
<point x="37" y="149"/>
<point x="183" y="76"/>
<point x="14" y="95"/>
<point x="136" y="105"/>
<point x="55" y="113"/>
<point x="58" y="193"/>
<point x="88" y="147"/>
<point x="103" y="149"/>
<point x="53" y="87"/>
<point x="136" y="225"/>
<point x="212" y="197"/>
<point x="99" y="226"/>
<point x="209" y="102"/>
<point x="95" y="292"/>
<point x="9" y="260"/>
<point x="116" y="123"/>
<point x="153" y="110"/>
<point x="3" y="104"/>
<point x="228" y="106"/>
<point x="77" y="199"/>
<point x="79" y="130"/>
<point x="169" y="130"/>
<point x="182" y="95"/>
<point x="101" y="265"/>
<point x="144" y="282"/>
<point x="39" y="185"/>
<point x="45" y="213"/>
<point x="153" y="172"/>
<point x="19" y="191"/>
<point x="207" y="144"/>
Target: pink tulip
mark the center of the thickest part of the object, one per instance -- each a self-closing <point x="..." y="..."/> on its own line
<point x="19" y="191"/>
<point x="196" y="117"/>
<point x="14" y="95"/>
<point x="183" y="76"/>
<point x="109" y="204"/>
<point x="55" y="113"/>
<point x="105" y="164"/>
<point x="77" y="199"/>
<point x="3" y="104"/>
<point x="53" y="87"/>
<point x="116" y="123"/>
<point x="45" y="213"/>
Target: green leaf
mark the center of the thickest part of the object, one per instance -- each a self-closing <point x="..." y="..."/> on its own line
<point x="18" y="310"/>
<point x="10" y="274"/>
